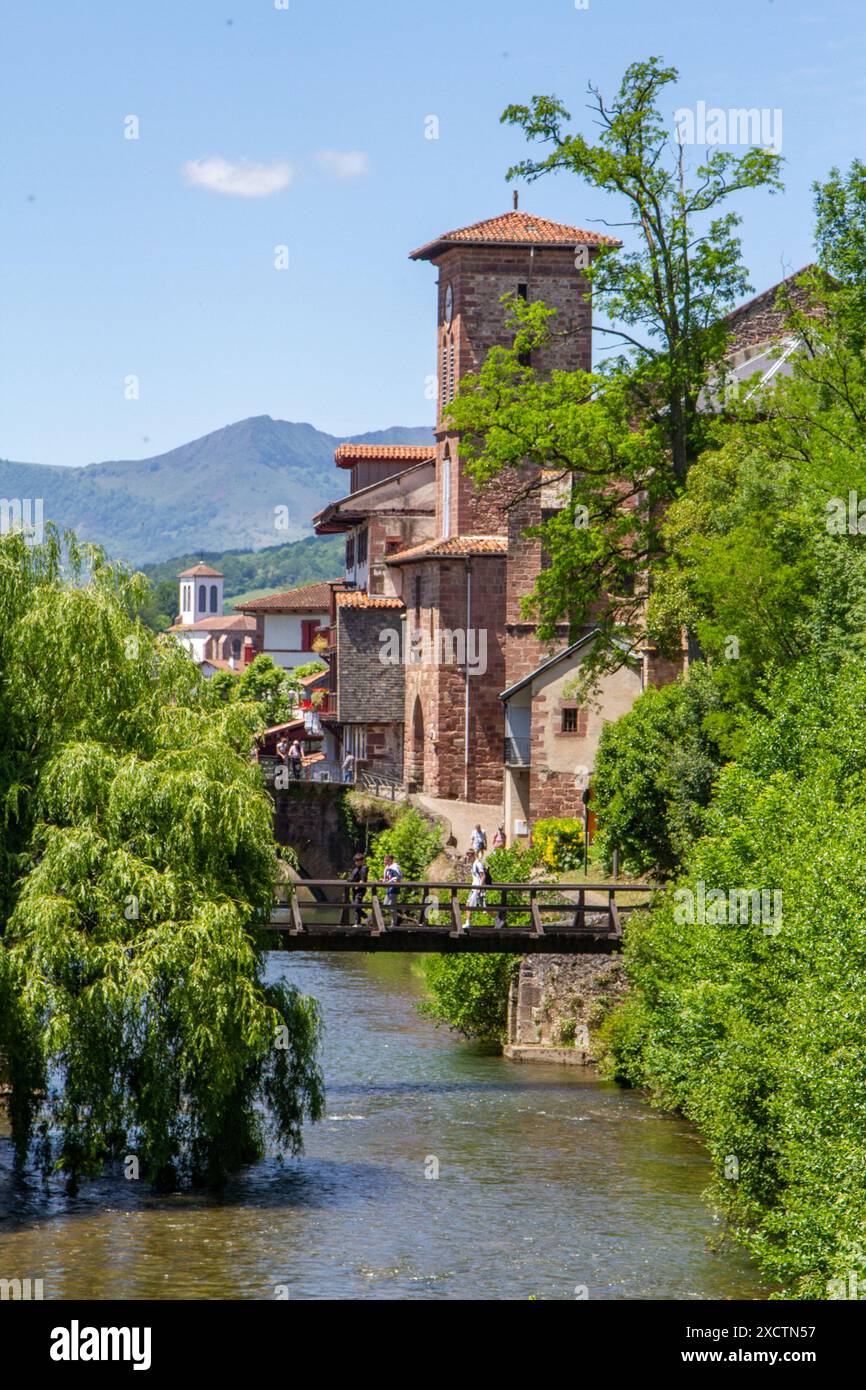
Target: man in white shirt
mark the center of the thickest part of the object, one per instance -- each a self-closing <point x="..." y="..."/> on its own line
<point x="477" y="897"/>
<point x="392" y="876"/>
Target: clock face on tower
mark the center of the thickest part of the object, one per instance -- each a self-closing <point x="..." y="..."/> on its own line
<point x="449" y="305"/>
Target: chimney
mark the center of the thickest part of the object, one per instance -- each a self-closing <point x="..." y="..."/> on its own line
<point x="516" y="198"/>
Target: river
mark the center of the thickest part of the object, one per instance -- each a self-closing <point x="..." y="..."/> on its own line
<point x="551" y="1184"/>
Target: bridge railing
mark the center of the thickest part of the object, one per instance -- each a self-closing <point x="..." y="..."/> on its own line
<point x="382" y="787"/>
<point x="337" y="907"/>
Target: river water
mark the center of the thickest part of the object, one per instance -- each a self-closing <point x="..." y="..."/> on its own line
<point x="550" y="1184"/>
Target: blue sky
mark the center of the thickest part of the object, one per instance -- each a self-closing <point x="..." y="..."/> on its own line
<point x="120" y="258"/>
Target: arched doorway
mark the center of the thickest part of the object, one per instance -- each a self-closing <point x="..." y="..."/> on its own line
<point x="416" y="751"/>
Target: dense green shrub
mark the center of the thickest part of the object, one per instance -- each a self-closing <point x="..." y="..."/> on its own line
<point x="756" y="1030"/>
<point x="412" y="840"/>
<point x="654" y="774"/>
<point x="469" y="992"/>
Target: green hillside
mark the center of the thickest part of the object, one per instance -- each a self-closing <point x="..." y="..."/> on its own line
<point x="248" y="572"/>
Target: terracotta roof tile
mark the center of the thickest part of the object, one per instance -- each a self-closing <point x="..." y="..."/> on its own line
<point x="308" y="598"/>
<point x="517" y="228"/>
<point x="345" y="455"/>
<point x="201" y="569"/>
<point x="444" y="549"/>
<point x="352" y="598"/>
<point x="228" y="622"/>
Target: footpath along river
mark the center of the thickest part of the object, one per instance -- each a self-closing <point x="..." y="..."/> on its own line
<point x="550" y="1181"/>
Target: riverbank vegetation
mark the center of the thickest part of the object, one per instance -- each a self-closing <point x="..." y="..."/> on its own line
<point x="741" y="787"/>
<point x="748" y="794"/>
<point x="137" y="856"/>
<point x="469" y="991"/>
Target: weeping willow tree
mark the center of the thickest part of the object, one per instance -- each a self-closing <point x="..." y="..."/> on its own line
<point x="137" y="858"/>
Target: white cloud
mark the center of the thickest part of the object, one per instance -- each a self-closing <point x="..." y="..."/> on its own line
<point x="344" y="164"/>
<point x="241" y="178"/>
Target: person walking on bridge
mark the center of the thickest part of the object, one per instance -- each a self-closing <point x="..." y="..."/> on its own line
<point x="392" y="876"/>
<point x="358" y="877"/>
<point x="295" y="760"/>
<point x="477" y="896"/>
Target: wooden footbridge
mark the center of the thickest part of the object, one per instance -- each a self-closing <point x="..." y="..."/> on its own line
<point x="520" y="918"/>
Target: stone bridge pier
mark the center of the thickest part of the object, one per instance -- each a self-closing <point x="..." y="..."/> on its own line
<point x="556" y="1004"/>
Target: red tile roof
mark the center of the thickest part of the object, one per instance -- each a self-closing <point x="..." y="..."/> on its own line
<point x="309" y="598"/>
<point x="445" y="549"/>
<point x="345" y="455"/>
<point x="201" y="569"/>
<point x="514" y="228"/>
<point x="228" y="622"/>
<point x="352" y="598"/>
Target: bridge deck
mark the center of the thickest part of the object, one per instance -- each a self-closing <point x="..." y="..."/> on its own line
<point x="518" y="918"/>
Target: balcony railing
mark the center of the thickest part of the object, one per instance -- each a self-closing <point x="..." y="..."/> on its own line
<point x="517" y="750"/>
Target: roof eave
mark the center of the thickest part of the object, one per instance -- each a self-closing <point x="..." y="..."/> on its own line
<point x="439" y="247"/>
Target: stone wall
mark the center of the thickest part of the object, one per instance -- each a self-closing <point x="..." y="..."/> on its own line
<point x="310" y="817"/>
<point x="761" y="319"/>
<point x="435" y="709"/>
<point x="560" y="1001"/>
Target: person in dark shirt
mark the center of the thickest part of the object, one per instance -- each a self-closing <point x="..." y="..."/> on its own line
<point x="358" y="877"/>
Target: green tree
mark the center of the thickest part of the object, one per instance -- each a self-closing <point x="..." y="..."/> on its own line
<point x="654" y="774"/>
<point x="412" y="840"/>
<point x="137" y="859"/>
<point x="667" y="297"/>
<point x="469" y="992"/>
<point x="840" y="236"/>
<point x="622" y="439"/>
<point x="273" y="688"/>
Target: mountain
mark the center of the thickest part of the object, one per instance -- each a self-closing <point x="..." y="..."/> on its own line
<point x="220" y="492"/>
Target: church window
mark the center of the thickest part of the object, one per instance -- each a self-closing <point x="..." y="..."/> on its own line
<point x="202" y="597"/>
<point x="213" y="598"/>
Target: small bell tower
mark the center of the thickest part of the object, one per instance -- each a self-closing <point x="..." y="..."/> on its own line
<point x="200" y="594"/>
